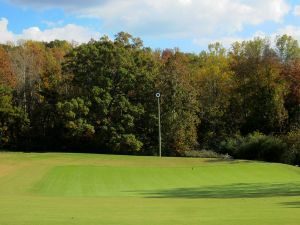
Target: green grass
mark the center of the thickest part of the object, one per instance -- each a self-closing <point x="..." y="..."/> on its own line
<point x="86" y="189"/>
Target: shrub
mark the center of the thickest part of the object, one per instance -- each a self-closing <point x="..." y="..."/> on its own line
<point x="256" y="146"/>
<point x="230" y="145"/>
<point x="292" y="154"/>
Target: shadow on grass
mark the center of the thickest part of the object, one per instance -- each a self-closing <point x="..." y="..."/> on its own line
<point x="291" y="204"/>
<point x="239" y="190"/>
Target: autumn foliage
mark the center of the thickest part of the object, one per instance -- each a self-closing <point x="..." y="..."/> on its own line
<point x="100" y="96"/>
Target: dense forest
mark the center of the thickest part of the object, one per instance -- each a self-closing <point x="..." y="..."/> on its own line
<point x="100" y="97"/>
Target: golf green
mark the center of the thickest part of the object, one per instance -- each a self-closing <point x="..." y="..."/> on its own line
<point x="87" y="189"/>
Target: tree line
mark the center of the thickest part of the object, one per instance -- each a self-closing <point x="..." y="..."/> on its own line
<point x="100" y="97"/>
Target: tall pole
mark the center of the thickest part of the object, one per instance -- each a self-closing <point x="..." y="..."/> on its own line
<point x="159" y="124"/>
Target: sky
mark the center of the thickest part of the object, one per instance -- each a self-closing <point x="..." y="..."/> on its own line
<point x="189" y="25"/>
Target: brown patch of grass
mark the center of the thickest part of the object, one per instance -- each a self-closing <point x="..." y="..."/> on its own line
<point x="6" y="169"/>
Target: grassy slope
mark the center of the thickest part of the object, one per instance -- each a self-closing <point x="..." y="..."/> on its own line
<point x="85" y="189"/>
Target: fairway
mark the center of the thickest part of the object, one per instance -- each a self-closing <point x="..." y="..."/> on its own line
<point x="87" y="189"/>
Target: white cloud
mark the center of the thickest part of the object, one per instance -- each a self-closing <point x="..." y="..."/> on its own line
<point x="173" y="18"/>
<point x="53" y="23"/>
<point x="296" y="11"/>
<point x="227" y="41"/>
<point x="67" y="4"/>
<point x="70" y="32"/>
<point x="187" y="18"/>
<point x="5" y="34"/>
<point x="293" y="31"/>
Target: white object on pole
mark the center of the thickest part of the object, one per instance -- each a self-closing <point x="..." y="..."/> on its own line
<point x="159" y="125"/>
